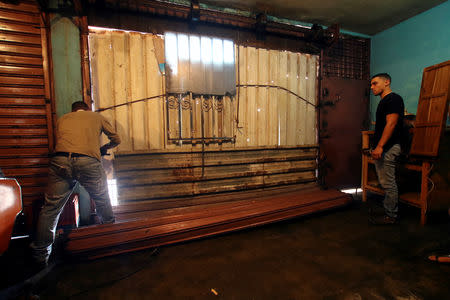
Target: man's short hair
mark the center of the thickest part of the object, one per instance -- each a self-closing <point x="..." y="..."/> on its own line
<point x="79" y="105"/>
<point x="382" y="75"/>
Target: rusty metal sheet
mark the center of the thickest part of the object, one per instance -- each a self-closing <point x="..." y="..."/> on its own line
<point x="344" y="114"/>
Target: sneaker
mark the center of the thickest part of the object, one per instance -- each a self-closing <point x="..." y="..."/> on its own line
<point x="383" y="220"/>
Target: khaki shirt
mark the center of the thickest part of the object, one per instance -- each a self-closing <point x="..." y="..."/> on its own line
<point x="79" y="132"/>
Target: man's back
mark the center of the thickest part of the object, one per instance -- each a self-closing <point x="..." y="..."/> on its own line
<point x="79" y="132"/>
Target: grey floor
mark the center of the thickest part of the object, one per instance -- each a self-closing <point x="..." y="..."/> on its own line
<point x="331" y="255"/>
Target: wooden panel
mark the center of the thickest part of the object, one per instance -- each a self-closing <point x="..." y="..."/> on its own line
<point x="138" y="91"/>
<point x="272" y="118"/>
<point x="252" y="75"/>
<point x="432" y="110"/>
<point x="174" y="225"/>
<point x="101" y="63"/>
<point x="120" y="44"/>
<point x="311" y="96"/>
<point x="262" y="110"/>
<point x="300" y="89"/>
<point x="242" y="129"/>
<point x="282" y="99"/>
<point x="292" y="112"/>
<point x="155" y="109"/>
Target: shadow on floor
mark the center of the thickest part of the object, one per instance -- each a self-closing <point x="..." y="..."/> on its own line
<point x="330" y="255"/>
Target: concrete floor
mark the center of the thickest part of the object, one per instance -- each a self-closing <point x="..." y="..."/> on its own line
<point x="331" y="255"/>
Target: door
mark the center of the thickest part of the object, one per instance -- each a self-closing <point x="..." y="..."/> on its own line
<point x="344" y="114"/>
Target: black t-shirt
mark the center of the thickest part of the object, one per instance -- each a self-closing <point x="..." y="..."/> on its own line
<point x="390" y="104"/>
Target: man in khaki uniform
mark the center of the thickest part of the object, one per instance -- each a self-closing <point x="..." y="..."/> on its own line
<point x="77" y="158"/>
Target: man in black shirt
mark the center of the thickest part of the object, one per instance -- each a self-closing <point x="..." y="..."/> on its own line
<point x="388" y="130"/>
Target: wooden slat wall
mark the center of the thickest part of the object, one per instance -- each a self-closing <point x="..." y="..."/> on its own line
<point x="270" y="116"/>
<point x="25" y="115"/>
<point x="160" y="175"/>
<point x="124" y="68"/>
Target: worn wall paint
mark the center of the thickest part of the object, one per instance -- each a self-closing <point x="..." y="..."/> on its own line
<point x="405" y="50"/>
<point x="65" y="39"/>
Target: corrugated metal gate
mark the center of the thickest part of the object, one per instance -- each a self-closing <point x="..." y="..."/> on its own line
<point x="25" y="109"/>
<point x="275" y="105"/>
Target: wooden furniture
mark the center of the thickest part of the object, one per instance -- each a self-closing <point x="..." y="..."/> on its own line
<point x="419" y="200"/>
<point x="428" y="131"/>
<point x="10" y="207"/>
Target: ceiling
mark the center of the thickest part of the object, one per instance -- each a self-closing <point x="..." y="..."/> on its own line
<point x="361" y="16"/>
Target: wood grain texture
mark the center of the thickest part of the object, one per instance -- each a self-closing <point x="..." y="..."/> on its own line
<point x="26" y="133"/>
<point x="432" y="110"/>
<point x="169" y="226"/>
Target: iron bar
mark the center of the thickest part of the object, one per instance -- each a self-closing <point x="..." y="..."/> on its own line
<point x="191" y="114"/>
<point x="203" y="138"/>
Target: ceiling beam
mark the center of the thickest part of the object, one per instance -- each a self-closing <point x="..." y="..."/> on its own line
<point x="260" y="25"/>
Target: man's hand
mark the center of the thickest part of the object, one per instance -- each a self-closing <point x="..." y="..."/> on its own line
<point x="103" y="151"/>
<point x="377" y="152"/>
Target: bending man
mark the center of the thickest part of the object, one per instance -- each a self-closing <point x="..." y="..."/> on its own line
<point x="77" y="158"/>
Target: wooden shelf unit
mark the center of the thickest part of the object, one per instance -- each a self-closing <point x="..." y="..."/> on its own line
<point x="419" y="200"/>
